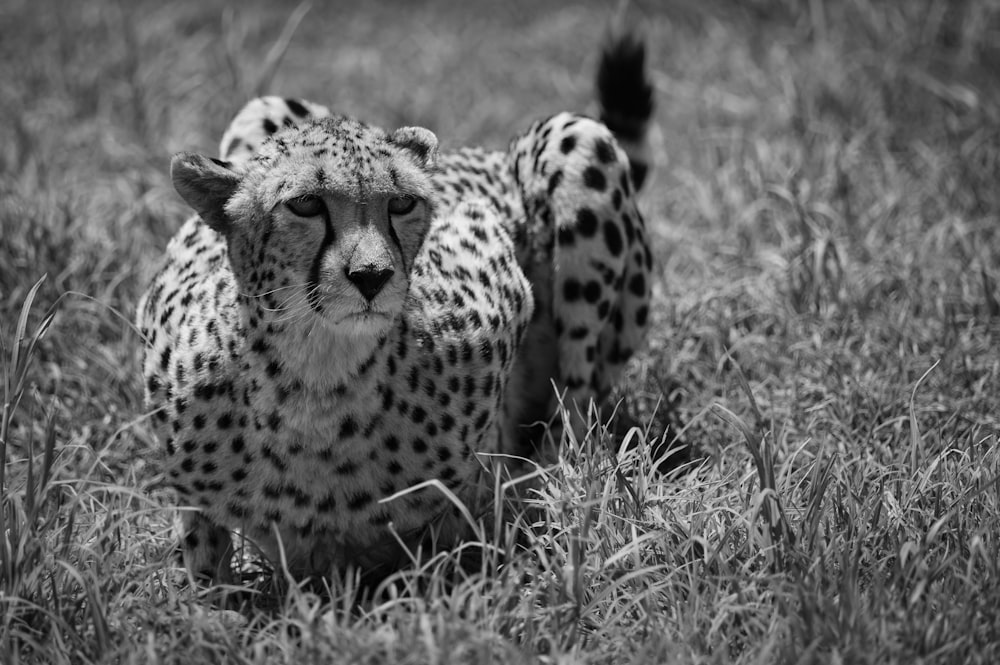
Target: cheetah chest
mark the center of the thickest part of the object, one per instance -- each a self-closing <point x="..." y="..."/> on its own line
<point x="316" y="467"/>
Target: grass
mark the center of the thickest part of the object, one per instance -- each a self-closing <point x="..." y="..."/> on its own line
<point x="824" y="217"/>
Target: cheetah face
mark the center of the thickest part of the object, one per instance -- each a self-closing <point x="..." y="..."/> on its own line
<point x="323" y="226"/>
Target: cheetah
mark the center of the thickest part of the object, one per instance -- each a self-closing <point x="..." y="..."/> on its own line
<point x="353" y="313"/>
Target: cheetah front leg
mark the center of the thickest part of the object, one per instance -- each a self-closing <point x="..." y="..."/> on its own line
<point x="575" y="185"/>
<point x="207" y="549"/>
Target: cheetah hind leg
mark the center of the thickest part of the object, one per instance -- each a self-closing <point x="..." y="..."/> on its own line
<point x="260" y="118"/>
<point x="580" y="208"/>
<point x="207" y="549"/>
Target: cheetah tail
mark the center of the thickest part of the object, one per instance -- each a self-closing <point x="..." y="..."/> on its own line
<point x="625" y="97"/>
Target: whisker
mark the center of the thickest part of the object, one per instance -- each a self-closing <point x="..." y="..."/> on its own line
<point x="274" y="290"/>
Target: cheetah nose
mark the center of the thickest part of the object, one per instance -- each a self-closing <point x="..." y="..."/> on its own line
<point x="369" y="280"/>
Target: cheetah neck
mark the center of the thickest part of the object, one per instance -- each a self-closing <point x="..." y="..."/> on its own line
<point x="324" y="359"/>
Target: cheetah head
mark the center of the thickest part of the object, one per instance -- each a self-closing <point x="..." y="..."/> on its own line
<point x="323" y="224"/>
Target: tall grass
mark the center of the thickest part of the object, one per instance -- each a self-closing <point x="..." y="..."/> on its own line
<point x="825" y="325"/>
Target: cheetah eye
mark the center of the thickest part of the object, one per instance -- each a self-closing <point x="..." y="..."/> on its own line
<point x="306" y="206"/>
<point x="401" y="205"/>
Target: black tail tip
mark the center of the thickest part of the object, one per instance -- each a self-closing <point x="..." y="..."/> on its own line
<point x="624" y="90"/>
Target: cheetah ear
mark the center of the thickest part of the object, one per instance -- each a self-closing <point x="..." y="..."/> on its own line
<point x="421" y="142"/>
<point x="206" y="184"/>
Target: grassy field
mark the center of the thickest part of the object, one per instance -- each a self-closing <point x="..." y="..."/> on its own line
<point x="825" y="219"/>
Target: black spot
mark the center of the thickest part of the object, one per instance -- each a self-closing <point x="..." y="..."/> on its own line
<point x="359" y="501"/>
<point x="605" y="153"/>
<point x="348" y="427"/>
<point x="571" y="290"/>
<point x="567" y="144"/>
<point x="419" y="446"/>
<point x="566" y="236"/>
<point x="638" y="171"/>
<point x="224" y="421"/>
<point x="204" y="391"/>
<point x="418" y="415"/>
<point x="554" y="181"/>
<point x="239" y="474"/>
<point x="391" y="443"/>
<point x="594" y="178"/>
<point x="269" y="126"/>
<point x="486" y="351"/>
<point x="613" y="238"/>
<point x="297" y="108"/>
<point x="586" y="222"/>
<point x="447" y="422"/>
<point x="237" y="444"/>
<point x="394" y="467"/>
<point x="237" y="510"/>
<point x="233" y="145"/>
<point x="448" y="476"/>
<point x="165" y="359"/>
<point x="199" y="421"/>
<point x="274" y="421"/>
<point x="641" y="315"/>
<point x="592" y="291"/>
<point x="637" y="285"/>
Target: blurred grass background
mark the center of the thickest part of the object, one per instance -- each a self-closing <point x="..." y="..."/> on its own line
<point x="824" y="214"/>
